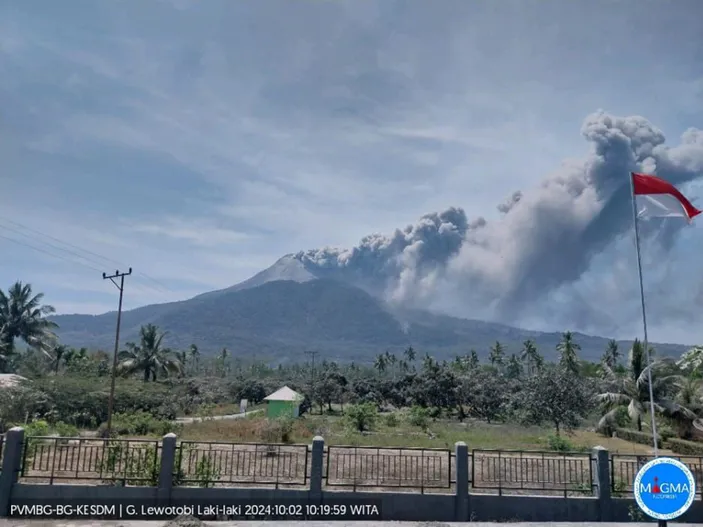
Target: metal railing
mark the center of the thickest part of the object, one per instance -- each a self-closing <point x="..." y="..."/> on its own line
<point x="624" y="468"/>
<point x="115" y="461"/>
<point x="221" y="464"/>
<point x="134" y="462"/>
<point x="418" y="468"/>
<point x="568" y="473"/>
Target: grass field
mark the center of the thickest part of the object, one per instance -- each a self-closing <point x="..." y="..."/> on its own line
<point x="440" y="434"/>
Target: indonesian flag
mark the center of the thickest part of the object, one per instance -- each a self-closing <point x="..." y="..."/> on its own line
<point x="656" y="198"/>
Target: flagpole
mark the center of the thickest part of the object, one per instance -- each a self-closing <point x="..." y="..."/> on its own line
<point x="644" y="315"/>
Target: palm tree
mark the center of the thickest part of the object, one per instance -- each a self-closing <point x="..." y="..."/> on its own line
<point x="4" y="353"/>
<point x="195" y="356"/>
<point x="497" y="352"/>
<point x="23" y="316"/>
<point x="223" y="360"/>
<point x="182" y="357"/>
<point x="531" y="357"/>
<point x="60" y="352"/>
<point x="410" y="354"/>
<point x="631" y="391"/>
<point x="611" y="356"/>
<point x="148" y="357"/>
<point x="568" y="350"/>
<point x="380" y="363"/>
<point x="692" y="362"/>
<point x="514" y="368"/>
<point x="473" y="359"/>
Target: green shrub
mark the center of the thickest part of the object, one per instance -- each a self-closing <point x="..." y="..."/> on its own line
<point x="83" y="401"/>
<point x="361" y="417"/>
<point x="435" y="412"/>
<point x="681" y="446"/>
<point x="560" y="444"/>
<point x="391" y="420"/>
<point x="206" y="472"/>
<point x="38" y="428"/>
<point x="102" y="432"/>
<point x="610" y="424"/>
<point x="32" y="432"/>
<point x="65" y="429"/>
<point x="419" y="416"/>
<point x="277" y="430"/>
<point x="136" y="466"/>
<point x="138" y="423"/>
<point x="619" y="487"/>
<point x="634" y="436"/>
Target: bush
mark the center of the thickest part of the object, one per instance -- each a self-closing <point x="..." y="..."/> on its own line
<point x="391" y="420"/>
<point x="65" y="429"/>
<point x="681" y="446"/>
<point x="138" y="423"/>
<point x="21" y="403"/>
<point x="435" y="412"/>
<point x="130" y="466"/>
<point x="277" y="431"/>
<point x="634" y="436"/>
<point x="611" y="423"/>
<point x="37" y="429"/>
<point x="419" y="416"/>
<point x="361" y="417"/>
<point x="32" y="431"/>
<point x="560" y="444"/>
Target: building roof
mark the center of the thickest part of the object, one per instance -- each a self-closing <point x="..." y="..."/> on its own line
<point x="8" y="380"/>
<point x="284" y="394"/>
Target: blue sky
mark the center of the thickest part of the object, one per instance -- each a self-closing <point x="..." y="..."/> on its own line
<point x="199" y="141"/>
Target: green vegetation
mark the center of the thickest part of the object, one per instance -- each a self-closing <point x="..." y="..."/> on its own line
<point x="517" y="400"/>
<point x="278" y="321"/>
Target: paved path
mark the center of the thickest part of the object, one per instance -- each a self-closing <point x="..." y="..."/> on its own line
<point x="45" y="523"/>
<point x="186" y="420"/>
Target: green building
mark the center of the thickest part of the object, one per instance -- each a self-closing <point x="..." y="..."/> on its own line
<point x="283" y="403"/>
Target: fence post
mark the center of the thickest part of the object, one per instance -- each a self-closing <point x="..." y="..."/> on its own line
<point x="11" y="464"/>
<point x="601" y="476"/>
<point x="316" y="468"/>
<point x="461" y="509"/>
<point x="168" y="458"/>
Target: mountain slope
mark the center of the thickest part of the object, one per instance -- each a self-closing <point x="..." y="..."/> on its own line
<point x="278" y="320"/>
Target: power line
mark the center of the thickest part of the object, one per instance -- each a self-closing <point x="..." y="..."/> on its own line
<point x="160" y="285"/>
<point x="18" y="242"/>
<point x="60" y="257"/>
<point x="56" y="247"/>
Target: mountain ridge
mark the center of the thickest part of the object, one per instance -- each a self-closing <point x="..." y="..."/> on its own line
<point x="278" y="319"/>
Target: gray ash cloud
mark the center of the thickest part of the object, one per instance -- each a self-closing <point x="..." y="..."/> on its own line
<point x="544" y="240"/>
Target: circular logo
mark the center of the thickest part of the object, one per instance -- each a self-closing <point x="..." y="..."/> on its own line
<point x="664" y="488"/>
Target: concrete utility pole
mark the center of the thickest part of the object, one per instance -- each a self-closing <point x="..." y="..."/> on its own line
<point x="111" y="400"/>
<point x="313" y="354"/>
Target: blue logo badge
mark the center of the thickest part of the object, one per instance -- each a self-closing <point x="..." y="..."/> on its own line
<point x="664" y="488"/>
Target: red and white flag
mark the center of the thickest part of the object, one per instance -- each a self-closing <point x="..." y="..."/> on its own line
<point x="656" y="198"/>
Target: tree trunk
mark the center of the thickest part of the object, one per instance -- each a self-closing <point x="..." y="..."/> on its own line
<point x="556" y="425"/>
<point x="146" y="374"/>
<point x="639" y="423"/>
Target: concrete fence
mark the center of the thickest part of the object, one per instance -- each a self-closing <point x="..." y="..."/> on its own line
<point x="456" y="499"/>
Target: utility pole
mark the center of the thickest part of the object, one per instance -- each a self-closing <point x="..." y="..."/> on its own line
<point x="111" y="400"/>
<point x="313" y="354"/>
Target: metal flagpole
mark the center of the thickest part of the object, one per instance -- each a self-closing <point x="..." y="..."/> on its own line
<point x="644" y="316"/>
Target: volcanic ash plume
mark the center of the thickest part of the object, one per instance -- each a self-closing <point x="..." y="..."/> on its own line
<point x="545" y="238"/>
